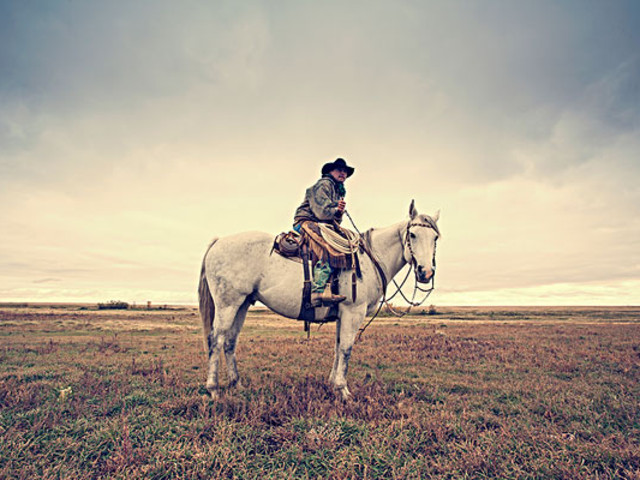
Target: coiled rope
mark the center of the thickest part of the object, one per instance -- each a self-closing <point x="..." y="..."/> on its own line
<point x="347" y="244"/>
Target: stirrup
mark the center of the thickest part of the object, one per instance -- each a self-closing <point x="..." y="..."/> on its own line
<point x="326" y="298"/>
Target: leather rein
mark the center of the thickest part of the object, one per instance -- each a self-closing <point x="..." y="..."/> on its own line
<point x="430" y="224"/>
<point x="366" y="246"/>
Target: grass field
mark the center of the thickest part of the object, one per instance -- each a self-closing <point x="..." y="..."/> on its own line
<point x="467" y="393"/>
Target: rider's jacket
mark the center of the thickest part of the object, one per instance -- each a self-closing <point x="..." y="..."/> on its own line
<point x="320" y="202"/>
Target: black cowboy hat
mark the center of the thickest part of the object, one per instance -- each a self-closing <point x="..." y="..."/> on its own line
<point x="339" y="163"/>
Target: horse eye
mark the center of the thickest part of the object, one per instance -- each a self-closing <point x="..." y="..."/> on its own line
<point x="413" y="235"/>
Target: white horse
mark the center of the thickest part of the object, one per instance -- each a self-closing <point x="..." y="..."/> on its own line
<point x="241" y="269"/>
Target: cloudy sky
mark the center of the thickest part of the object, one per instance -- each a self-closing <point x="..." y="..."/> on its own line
<point x="132" y="132"/>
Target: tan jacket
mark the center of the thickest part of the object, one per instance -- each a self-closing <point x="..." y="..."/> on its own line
<point x="320" y="202"/>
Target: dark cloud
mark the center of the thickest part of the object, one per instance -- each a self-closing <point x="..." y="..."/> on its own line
<point x="474" y="77"/>
<point x="110" y="107"/>
<point x="70" y="55"/>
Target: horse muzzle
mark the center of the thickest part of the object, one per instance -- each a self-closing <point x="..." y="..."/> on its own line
<point x="424" y="275"/>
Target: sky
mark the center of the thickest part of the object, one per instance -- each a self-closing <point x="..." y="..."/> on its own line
<point x="133" y="132"/>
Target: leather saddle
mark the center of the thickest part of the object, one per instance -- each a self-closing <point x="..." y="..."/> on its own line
<point x="295" y="246"/>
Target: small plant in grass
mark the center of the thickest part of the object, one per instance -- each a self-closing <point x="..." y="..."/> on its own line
<point x="429" y="311"/>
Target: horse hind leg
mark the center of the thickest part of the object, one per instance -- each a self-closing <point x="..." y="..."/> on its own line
<point x="222" y="324"/>
<point x="231" y="342"/>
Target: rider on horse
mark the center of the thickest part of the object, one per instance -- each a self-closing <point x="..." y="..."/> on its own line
<point x="324" y="203"/>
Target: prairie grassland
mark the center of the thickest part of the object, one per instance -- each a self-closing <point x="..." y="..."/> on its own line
<point x="468" y="393"/>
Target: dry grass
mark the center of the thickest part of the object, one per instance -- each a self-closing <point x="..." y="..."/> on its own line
<point x="467" y="393"/>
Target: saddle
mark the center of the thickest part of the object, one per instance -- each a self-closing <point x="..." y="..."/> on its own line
<point x="308" y="247"/>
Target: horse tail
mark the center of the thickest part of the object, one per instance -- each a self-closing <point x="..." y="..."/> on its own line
<point x="207" y="305"/>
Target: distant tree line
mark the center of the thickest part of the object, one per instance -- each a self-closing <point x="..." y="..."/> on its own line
<point x="113" y="305"/>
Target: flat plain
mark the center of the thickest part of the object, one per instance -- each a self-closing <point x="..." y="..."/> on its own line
<point x="546" y="392"/>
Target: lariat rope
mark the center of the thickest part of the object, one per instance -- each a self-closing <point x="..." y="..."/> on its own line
<point x="347" y="244"/>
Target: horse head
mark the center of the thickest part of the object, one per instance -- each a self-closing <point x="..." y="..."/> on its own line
<point x="419" y="241"/>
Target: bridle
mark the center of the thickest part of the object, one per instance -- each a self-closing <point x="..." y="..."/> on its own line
<point x="413" y="266"/>
<point x="406" y="241"/>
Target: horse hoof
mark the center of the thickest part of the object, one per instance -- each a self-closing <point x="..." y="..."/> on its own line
<point x="345" y="394"/>
<point x="235" y="384"/>
<point x="213" y="393"/>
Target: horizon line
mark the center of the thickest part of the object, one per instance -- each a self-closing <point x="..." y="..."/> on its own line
<point x="262" y="307"/>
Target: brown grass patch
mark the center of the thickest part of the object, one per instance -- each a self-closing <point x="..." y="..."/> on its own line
<point x="467" y="393"/>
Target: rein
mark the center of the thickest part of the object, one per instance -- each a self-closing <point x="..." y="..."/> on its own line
<point x="416" y="287"/>
<point x="366" y="243"/>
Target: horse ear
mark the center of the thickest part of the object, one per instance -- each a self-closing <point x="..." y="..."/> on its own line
<point x="436" y="217"/>
<point x="412" y="210"/>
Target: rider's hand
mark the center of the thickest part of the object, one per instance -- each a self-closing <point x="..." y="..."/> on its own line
<point x="341" y="205"/>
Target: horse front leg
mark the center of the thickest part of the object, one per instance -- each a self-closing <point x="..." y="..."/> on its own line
<point x="334" y="369"/>
<point x="350" y="322"/>
<point x="231" y="342"/>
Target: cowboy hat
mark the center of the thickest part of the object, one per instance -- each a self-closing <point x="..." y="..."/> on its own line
<point x="339" y="163"/>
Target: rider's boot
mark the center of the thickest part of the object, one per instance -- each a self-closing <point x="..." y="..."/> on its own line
<point x="320" y="291"/>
